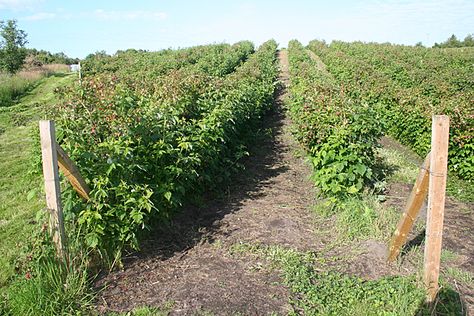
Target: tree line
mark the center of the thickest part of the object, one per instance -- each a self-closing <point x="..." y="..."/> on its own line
<point x="14" y="55"/>
<point x="453" y="41"/>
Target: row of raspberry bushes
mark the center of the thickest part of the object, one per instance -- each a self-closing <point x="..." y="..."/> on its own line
<point x="339" y="134"/>
<point x="216" y="59"/>
<point x="409" y="85"/>
<point x="146" y="147"/>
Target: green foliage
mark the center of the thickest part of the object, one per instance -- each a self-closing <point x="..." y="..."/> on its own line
<point x="316" y="292"/>
<point x="216" y="60"/>
<point x="12" y="53"/>
<point x="339" y="134"/>
<point x="46" y="285"/>
<point x="406" y="86"/>
<point x="453" y="42"/>
<point x="146" y="146"/>
<point x="42" y="57"/>
<point x="12" y="87"/>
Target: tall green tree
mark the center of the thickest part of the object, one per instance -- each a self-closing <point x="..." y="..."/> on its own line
<point x="469" y="41"/>
<point x="12" y="43"/>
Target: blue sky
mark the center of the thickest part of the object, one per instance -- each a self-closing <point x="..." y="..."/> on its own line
<point x="82" y="27"/>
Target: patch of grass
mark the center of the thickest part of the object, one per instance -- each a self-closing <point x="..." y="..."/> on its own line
<point x="403" y="169"/>
<point x="47" y="285"/>
<point x="461" y="190"/>
<point x="147" y="311"/>
<point x="17" y="206"/>
<point x="448" y="255"/>
<point x="12" y="87"/>
<point x="318" y="292"/>
<point x="361" y="218"/>
<point x="462" y="276"/>
<point x="366" y="219"/>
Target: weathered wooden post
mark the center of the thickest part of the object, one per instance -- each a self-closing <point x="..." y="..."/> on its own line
<point x="70" y="171"/>
<point x="51" y="184"/>
<point x="412" y="208"/>
<point x="436" y="200"/>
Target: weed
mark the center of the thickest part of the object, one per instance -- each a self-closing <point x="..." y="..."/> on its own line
<point x="147" y="311"/>
<point x="460" y="275"/>
<point x="57" y="287"/>
<point x="318" y="292"/>
<point x="448" y="255"/>
<point x="360" y="217"/>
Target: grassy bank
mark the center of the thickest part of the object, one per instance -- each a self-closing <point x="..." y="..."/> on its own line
<point x="13" y="87"/>
<point x="20" y="191"/>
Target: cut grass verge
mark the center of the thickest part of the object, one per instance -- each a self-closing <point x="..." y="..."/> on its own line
<point x="17" y="206"/>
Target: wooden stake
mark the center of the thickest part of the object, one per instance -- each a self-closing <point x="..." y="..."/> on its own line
<point x="436" y="200"/>
<point x="51" y="184"/>
<point x="70" y="171"/>
<point x="412" y="208"/>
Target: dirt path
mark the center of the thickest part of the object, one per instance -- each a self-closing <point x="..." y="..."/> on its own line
<point x="190" y="265"/>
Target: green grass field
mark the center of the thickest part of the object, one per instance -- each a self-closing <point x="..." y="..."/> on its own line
<point x="17" y="209"/>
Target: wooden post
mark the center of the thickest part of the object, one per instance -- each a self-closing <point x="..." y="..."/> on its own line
<point x="436" y="200"/>
<point x="71" y="172"/>
<point x="51" y="184"/>
<point x="412" y="208"/>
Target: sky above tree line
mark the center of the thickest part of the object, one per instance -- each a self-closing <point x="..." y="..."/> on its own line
<point x="78" y="28"/>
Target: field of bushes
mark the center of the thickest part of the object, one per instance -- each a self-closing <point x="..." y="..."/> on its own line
<point x="407" y="85"/>
<point x="153" y="131"/>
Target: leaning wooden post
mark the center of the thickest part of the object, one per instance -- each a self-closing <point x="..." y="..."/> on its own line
<point x="70" y="171"/>
<point x="436" y="200"/>
<point x="51" y="184"/>
<point x="412" y="208"/>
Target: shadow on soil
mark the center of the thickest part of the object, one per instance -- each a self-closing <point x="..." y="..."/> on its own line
<point x="416" y="241"/>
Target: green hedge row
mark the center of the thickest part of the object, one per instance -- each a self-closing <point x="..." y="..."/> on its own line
<point x="216" y="59"/>
<point x="339" y="133"/>
<point x="408" y="85"/>
<point x="146" y="147"/>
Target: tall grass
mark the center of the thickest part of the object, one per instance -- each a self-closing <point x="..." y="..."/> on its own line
<point x="47" y="285"/>
<point x="14" y="86"/>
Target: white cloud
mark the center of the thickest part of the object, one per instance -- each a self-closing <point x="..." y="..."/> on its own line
<point x="40" y="16"/>
<point x="128" y="15"/>
<point x="19" y="4"/>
